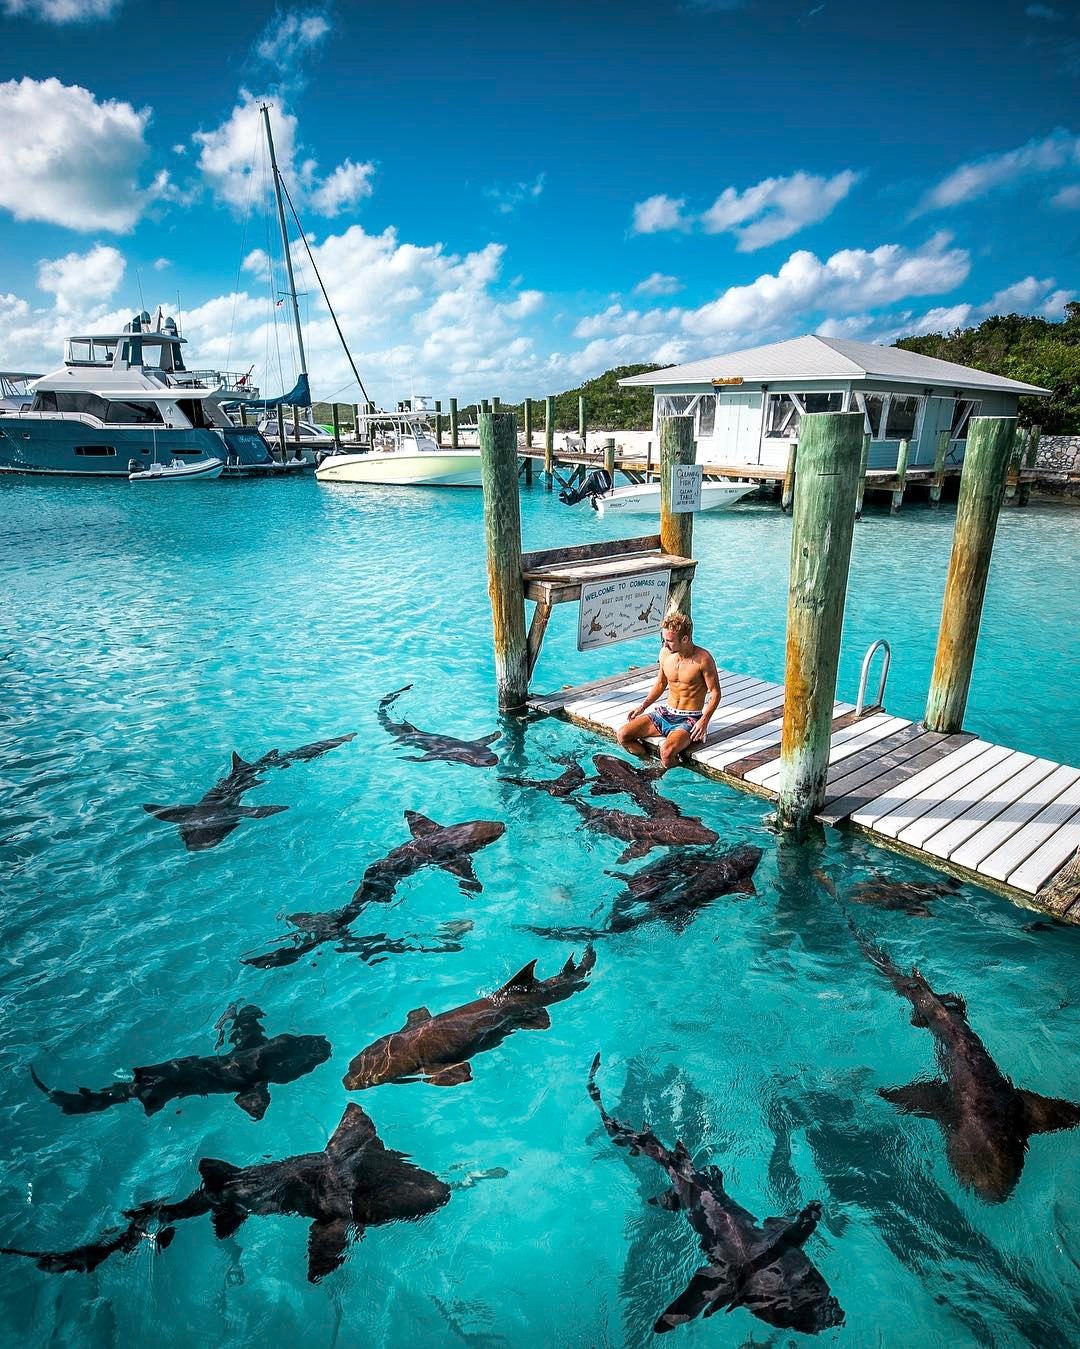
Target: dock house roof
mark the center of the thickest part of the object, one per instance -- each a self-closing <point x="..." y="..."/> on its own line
<point x="830" y="358"/>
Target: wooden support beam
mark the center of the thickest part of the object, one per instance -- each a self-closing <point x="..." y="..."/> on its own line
<point x="549" y="442"/>
<point x="676" y="531"/>
<point x="609" y="457"/>
<point x="453" y="424"/>
<point x="939" y="468"/>
<point x="788" y="493"/>
<point x="496" y="403"/>
<point x="982" y="485"/>
<point x="1031" y="461"/>
<point x="336" y="416"/>
<point x="537" y="628"/>
<point x="438" y="422"/>
<point x="864" y="459"/>
<point x="1012" y="473"/>
<point x="581" y="421"/>
<point x="822" y="525"/>
<point x="295" y="431"/>
<point x="648" y="459"/>
<point x="502" y="532"/>
<point x="281" y="432"/>
<point x="901" y="476"/>
<point x="527" y="418"/>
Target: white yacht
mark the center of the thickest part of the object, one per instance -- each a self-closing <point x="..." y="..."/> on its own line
<point x="399" y="449"/>
<point x="123" y="397"/>
<point x="15" y="390"/>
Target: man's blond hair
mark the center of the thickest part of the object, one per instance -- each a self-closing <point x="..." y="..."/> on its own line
<point x="679" y="624"/>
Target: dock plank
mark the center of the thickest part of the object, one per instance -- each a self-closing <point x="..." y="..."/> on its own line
<point x="857" y="797"/>
<point x="933" y="797"/>
<point x="846" y="741"/>
<point x="1045" y="862"/>
<point x="944" y="811"/>
<point x="867" y="762"/>
<point x="991" y="837"/>
<point x="997" y="800"/>
<point x="910" y="787"/>
<point x="1007" y="859"/>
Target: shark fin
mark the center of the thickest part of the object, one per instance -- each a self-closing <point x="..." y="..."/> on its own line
<point x="419" y="825"/>
<point x="462" y="868"/>
<point x="669" y="1200"/>
<point x="932" y="1100"/>
<point x="537" y="1019"/>
<point x="633" y="850"/>
<point x="226" y="1221"/>
<point x="452" y="1076"/>
<point x="170" y="814"/>
<point x="355" y="1130"/>
<point x="238" y="763"/>
<point x="489" y="739"/>
<point x="524" y="979"/>
<point x="710" y="1285"/>
<point x="254" y="1101"/>
<point x="1044" y="1114"/>
<point x="417" y="1016"/>
<point x="216" y="1174"/>
<point x="259" y="812"/>
<point x="327" y="1242"/>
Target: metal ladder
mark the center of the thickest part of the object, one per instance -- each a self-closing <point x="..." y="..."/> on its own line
<point x="860" y="705"/>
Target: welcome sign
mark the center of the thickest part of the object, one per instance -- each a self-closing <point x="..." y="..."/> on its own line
<point x="621" y="607"/>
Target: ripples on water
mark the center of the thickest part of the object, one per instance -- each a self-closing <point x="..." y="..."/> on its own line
<point x="145" y="636"/>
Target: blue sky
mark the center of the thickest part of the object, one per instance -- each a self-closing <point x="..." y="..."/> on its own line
<point x="511" y="198"/>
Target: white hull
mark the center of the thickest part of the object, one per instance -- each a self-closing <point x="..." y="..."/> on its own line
<point x="178" y="472"/>
<point x="644" y="498"/>
<point x="396" y="468"/>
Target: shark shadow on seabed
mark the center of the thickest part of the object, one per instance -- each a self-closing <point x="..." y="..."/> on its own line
<point x="245" y="1072"/>
<point x="758" y="1266"/>
<point x="437" y="1049"/>
<point x="475" y="753"/>
<point x="431" y="845"/>
<point x="876" y="1178"/>
<point x="214" y="817"/>
<point x="672" y="890"/>
<point x="353" y="1184"/>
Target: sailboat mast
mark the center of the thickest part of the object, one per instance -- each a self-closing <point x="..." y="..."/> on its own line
<point x="264" y="108"/>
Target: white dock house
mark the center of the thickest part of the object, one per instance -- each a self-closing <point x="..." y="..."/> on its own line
<point x="747" y="404"/>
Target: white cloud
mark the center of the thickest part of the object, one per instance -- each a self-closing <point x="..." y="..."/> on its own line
<point x="62" y="11"/>
<point x="776" y="208"/>
<point x="1059" y="150"/>
<point x="659" y="213"/>
<point x="162" y="264"/>
<point x="233" y="153"/>
<point x="78" y="280"/>
<point x="1068" y="198"/>
<point x="658" y="283"/>
<point x="344" y="187"/>
<point x="506" y="200"/>
<point x="68" y="159"/>
<point x="285" y="38"/>
<point x="258" y="263"/>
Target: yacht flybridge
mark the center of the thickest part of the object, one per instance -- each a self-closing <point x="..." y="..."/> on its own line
<point x="127" y="396"/>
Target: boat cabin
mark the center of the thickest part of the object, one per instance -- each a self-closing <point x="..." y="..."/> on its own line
<point x="747" y="404"/>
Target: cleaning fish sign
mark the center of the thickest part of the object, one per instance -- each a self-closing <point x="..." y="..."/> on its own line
<point x="685" y="488"/>
<point x="621" y="607"/>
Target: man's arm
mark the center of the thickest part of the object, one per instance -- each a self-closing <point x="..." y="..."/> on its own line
<point x="712" y="700"/>
<point x="654" y="693"/>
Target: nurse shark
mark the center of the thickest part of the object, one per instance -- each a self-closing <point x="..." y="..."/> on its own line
<point x="475" y="753"/>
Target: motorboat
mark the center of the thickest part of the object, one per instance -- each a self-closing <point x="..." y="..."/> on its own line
<point x="122" y="396"/>
<point x="643" y="498"/>
<point x="178" y="470"/>
<point x="303" y="439"/>
<point x="399" y="449"/>
<point x="15" y="390"/>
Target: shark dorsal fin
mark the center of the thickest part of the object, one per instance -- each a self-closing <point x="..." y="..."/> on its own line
<point x="418" y="1016"/>
<point x="524" y="979"/>
<point x="419" y="825"/>
<point x="354" y="1131"/>
<point x="490" y="739"/>
<point x="216" y="1174"/>
<point x="238" y="763"/>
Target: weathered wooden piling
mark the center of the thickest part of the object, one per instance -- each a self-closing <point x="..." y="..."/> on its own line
<point x="938" y="480"/>
<point x="1031" y="461"/>
<point x="581" y="424"/>
<point x="502" y="532"/>
<point x="438" y="422"/>
<point x="356" y="421"/>
<point x="676" y="531"/>
<point x="336" y="417"/>
<point x="982" y="486"/>
<point x="496" y="403"/>
<point x="526" y="409"/>
<point x="788" y="492"/>
<point x="1012" y="473"/>
<point x="549" y="442"/>
<point x="453" y="424"/>
<point x="864" y="459"/>
<point x="901" y="477"/>
<point x="609" y="457"/>
<point x="822" y="526"/>
<point x="648" y="459"/>
<point x="295" y="432"/>
<point x="281" y="432"/>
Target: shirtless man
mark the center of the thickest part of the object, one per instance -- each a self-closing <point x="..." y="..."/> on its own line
<point x="688" y="673"/>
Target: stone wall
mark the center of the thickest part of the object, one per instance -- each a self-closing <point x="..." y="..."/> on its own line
<point x="1059" y="454"/>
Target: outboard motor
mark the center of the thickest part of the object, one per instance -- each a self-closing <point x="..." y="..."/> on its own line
<point x="134" y="466"/>
<point x="595" y="485"/>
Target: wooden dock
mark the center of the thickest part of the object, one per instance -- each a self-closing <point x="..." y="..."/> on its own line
<point x="1006" y="820"/>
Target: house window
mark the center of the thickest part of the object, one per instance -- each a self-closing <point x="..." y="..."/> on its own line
<point x="900" y="423"/>
<point x="822" y="402"/>
<point x="873" y="407"/>
<point x="782" y="422"/>
<point x="706" y="415"/>
<point x="673" y="404"/>
<point x="95" y="451"/>
<point x="963" y="411"/>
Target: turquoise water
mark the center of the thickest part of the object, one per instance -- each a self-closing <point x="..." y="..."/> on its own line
<point x="144" y="636"/>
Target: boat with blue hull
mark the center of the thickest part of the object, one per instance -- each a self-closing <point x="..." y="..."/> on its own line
<point x="127" y="396"/>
